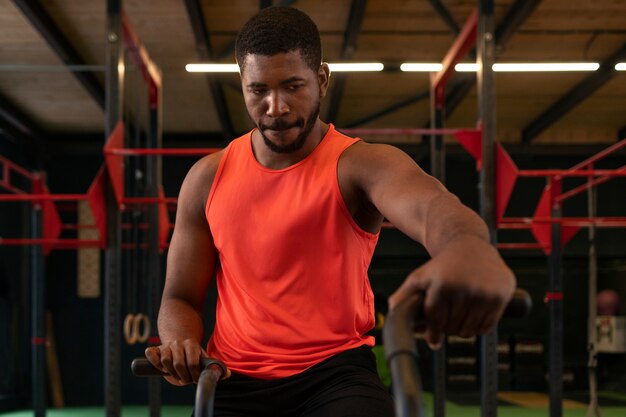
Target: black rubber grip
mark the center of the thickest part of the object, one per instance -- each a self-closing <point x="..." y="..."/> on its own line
<point x="143" y="368"/>
<point x="519" y="306"/>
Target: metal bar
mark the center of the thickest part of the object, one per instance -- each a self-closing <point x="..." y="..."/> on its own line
<point x="149" y="200"/>
<point x="445" y="16"/>
<point x="43" y="197"/>
<point x="38" y="319"/>
<point x="138" y="53"/>
<point x="461" y="46"/>
<point x="521" y="246"/>
<point x="600" y="155"/>
<point x="12" y="166"/>
<point x="438" y="169"/>
<point x="585" y="186"/>
<point x="592" y="363"/>
<point x="203" y="48"/>
<point x="406" y="131"/>
<point x="41" y="20"/>
<point x="533" y="173"/>
<point x="53" y="243"/>
<point x="164" y="151"/>
<point x="51" y="68"/>
<point x="113" y="254"/>
<point x="574" y="96"/>
<point x="525" y="222"/>
<point x="517" y="14"/>
<point x="555" y="308"/>
<point x="485" y="47"/>
<point x="353" y="27"/>
<point x="17" y="125"/>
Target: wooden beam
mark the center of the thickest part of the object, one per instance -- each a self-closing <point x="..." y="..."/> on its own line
<point x="43" y="23"/>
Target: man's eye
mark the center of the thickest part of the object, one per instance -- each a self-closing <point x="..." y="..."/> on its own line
<point x="257" y="91"/>
<point x="294" y="87"/>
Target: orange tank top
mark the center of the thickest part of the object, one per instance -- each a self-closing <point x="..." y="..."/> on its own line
<point x="292" y="279"/>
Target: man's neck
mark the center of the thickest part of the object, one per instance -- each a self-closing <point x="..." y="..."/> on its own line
<point x="275" y="160"/>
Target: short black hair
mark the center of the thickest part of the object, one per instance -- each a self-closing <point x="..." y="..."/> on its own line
<point x="277" y="30"/>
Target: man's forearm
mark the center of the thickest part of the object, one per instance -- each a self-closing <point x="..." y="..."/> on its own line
<point x="178" y="320"/>
<point x="447" y="220"/>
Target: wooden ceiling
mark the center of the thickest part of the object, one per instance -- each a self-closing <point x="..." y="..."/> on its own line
<point x="567" y="108"/>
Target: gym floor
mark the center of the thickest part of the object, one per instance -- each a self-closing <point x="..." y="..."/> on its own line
<point x="536" y="405"/>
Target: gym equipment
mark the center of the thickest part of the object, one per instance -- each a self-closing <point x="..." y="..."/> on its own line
<point x="212" y="372"/>
<point x="401" y="349"/>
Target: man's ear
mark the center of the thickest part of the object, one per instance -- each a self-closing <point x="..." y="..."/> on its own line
<point x="323" y="76"/>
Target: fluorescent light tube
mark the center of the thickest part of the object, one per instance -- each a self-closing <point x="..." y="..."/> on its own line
<point x="546" y="66"/>
<point x="212" y="68"/>
<point x="421" y="67"/>
<point x="356" y="67"/>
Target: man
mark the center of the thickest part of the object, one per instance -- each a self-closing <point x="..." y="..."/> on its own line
<point x="292" y="211"/>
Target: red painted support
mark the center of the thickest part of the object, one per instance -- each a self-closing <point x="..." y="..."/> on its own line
<point x="115" y="163"/>
<point x="462" y="45"/>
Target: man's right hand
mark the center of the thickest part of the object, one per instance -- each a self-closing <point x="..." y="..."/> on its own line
<point x="180" y="359"/>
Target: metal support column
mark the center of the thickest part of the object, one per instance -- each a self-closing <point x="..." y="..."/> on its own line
<point x="437" y="170"/>
<point x="153" y="181"/>
<point x="555" y="308"/>
<point x="485" y="46"/>
<point x="113" y="254"/>
<point x="592" y="364"/>
<point x="38" y="318"/>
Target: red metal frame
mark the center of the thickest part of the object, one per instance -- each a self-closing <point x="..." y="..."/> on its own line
<point x="139" y="54"/>
<point x="459" y="49"/>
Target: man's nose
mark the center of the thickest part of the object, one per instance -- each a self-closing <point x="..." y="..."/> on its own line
<point x="277" y="106"/>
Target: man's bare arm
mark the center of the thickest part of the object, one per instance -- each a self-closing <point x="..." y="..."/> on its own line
<point x="190" y="268"/>
<point x="468" y="283"/>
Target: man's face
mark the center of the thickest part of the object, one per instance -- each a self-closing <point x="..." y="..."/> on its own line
<point x="282" y="95"/>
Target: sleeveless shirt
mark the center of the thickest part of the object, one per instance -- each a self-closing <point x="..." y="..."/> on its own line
<point x="292" y="277"/>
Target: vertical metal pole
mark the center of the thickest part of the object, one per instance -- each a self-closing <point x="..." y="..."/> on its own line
<point x="556" y="310"/>
<point x="485" y="44"/>
<point x="38" y="318"/>
<point x="592" y="364"/>
<point x="438" y="170"/>
<point x="113" y="255"/>
<point x="153" y="177"/>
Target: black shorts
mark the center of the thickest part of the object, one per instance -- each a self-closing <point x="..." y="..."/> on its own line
<point x="346" y="385"/>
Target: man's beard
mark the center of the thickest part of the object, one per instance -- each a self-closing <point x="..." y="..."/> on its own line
<point x="296" y="145"/>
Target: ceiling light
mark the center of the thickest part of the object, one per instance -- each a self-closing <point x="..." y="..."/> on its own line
<point x="621" y="66"/>
<point x="363" y="66"/>
<point x="546" y="66"/>
<point x="421" y="67"/>
<point x="212" y="68"/>
<point x="466" y="67"/>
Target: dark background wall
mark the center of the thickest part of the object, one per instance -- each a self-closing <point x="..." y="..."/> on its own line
<point x="79" y="322"/>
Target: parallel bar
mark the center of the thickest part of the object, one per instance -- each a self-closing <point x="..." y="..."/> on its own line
<point x="43" y="197"/>
<point x="574" y="96"/>
<point x="41" y="20"/>
<point x="600" y="155"/>
<point x="164" y="151"/>
<point x="521" y="246"/>
<point x="526" y="222"/>
<point x="485" y="57"/>
<point x="53" y="243"/>
<point x="589" y="184"/>
<point x="406" y="131"/>
<point x="621" y="172"/>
